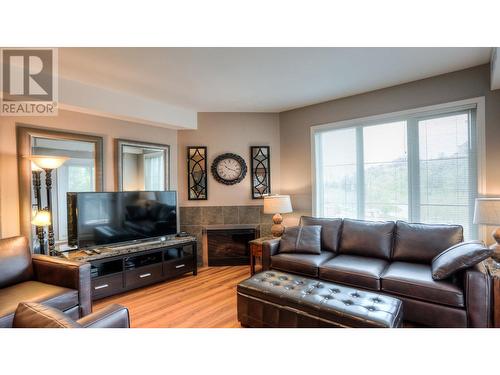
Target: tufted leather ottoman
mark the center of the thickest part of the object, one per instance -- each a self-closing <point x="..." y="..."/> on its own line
<point x="277" y="299"/>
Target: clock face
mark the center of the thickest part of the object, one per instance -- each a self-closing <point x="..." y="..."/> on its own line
<point x="229" y="169"/>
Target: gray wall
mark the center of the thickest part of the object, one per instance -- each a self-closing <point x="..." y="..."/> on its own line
<point x="295" y="124"/>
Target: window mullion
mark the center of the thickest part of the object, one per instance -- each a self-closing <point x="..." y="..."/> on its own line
<point x="320" y="198"/>
<point x="360" y="173"/>
<point x="473" y="178"/>
<point x="413" y="171"/>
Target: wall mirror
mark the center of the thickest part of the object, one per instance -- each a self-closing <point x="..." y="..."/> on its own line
<point x="142" y="166"/>
<point x="82" y="171"/>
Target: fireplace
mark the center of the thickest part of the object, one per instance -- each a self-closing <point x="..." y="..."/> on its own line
<point x="227" y="245"/>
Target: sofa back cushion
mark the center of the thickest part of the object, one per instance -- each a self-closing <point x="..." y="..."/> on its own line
<point x="301" y="239"/>
<point x="420" y="243"/>
<point x="15" y="261"/>
<point x="367" y="238"/>
<point x="330" y="231"/>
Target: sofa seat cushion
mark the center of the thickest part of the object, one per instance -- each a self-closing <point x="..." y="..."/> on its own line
<point x="303" y="264"/>
<point x="34" y="291"/>
<point x="415" y="281"/>
<point x="361" y="272"/>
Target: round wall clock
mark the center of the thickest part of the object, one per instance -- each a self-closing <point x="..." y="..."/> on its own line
<point x="229" y="169"/>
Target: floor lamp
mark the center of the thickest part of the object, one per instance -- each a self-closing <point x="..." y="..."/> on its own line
<point x="48" y="164"/>
<point x="37" y="179"/>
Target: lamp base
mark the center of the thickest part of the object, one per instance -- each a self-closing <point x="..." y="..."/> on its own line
<point x="277" y="229"/>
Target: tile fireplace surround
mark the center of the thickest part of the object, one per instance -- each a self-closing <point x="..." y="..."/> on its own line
<point x="193" y="219"/>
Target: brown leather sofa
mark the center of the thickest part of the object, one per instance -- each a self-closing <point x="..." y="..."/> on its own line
<point x="37" y="315"/>
<point x="55" y="282"/>
<point x="394" y="258"/>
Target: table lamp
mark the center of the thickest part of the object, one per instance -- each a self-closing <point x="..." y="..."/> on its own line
<point x="42" y="219"/>
<point x="277" y="205"/>
<point x="487" y="212"/>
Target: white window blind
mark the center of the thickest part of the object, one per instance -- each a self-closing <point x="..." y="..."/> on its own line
<point x="154" y="176"/>
<point x="419" y="168"/>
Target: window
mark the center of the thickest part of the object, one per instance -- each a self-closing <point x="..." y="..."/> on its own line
<point x="417" y="167"/>
<point x="154" y="176"/>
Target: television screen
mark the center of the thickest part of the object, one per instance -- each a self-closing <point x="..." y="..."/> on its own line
<point x="96" y="219"/>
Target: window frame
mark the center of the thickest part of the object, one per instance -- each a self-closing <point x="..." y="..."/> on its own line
<point x="412" y="116"/>
<point x="120" y="143"/>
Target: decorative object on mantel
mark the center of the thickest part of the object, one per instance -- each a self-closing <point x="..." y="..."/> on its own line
<point x="48" y="164"/>
<point x="277" y="205"/>
<point x="260" y="166"/>
<point x="229" y="169"/>
<point x="197" y="173"/>
<point x="487" y="212"/>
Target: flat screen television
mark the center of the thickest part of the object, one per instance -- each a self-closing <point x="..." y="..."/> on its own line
<point x="97" y="219"/>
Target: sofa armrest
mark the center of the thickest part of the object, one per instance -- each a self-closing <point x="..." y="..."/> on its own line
<point x="269" y="248"/>
<point x="478" y="296"/>
<point x="112" y="316"/>
<point x="67" y="274"/>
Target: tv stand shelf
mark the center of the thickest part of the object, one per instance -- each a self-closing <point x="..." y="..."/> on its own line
<point x="118" y="269"/>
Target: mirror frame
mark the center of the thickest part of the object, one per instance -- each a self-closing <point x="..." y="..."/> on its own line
<point x="25" y="134"/>
<point x="120" y="143"/>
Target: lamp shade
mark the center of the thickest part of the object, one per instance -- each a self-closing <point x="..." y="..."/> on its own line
<point x="35" y="168"/>
<point x="48" y="162"/>
<point x="41" y="219"/>
<point x="487" y="211"/>
<point x="274" y="204"/>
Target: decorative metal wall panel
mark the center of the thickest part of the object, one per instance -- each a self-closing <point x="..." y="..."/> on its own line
<point x="197" y="173"/>
<point x="261" y="171"/>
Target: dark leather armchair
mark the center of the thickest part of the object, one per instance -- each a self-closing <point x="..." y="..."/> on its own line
<point x="58" y="283"/>
<point x="36" y="315"/>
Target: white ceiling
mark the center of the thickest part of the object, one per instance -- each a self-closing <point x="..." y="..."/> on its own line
<point x="257" y="79"/>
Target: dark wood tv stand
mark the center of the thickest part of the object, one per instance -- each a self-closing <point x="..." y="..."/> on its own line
<point x="120" y="268"/>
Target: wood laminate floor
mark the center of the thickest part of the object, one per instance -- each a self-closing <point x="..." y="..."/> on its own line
<point x="207" y="300"/>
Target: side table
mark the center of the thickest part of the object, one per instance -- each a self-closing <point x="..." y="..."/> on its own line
<point x="256" y="251"/>
<point x="495" y="276"/>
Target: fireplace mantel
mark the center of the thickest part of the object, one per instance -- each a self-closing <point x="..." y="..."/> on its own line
<point x="230" y="226"/>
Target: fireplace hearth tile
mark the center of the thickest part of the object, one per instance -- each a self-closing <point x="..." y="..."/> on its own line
<point x="190" y="215"/>
<point x="230" y="214"/>
<point x="211" y="215"/>
<point x="249" y="214"/>
<point x="265" y="218"/>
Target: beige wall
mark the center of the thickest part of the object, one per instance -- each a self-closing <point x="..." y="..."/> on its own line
<point x="288" y="134"/>
<point x="295" y="124"/>
<point x="230" y="132"/>
<point x="74" y="122"/>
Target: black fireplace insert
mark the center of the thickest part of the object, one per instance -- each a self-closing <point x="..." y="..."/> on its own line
<point x="228" y="245"/>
